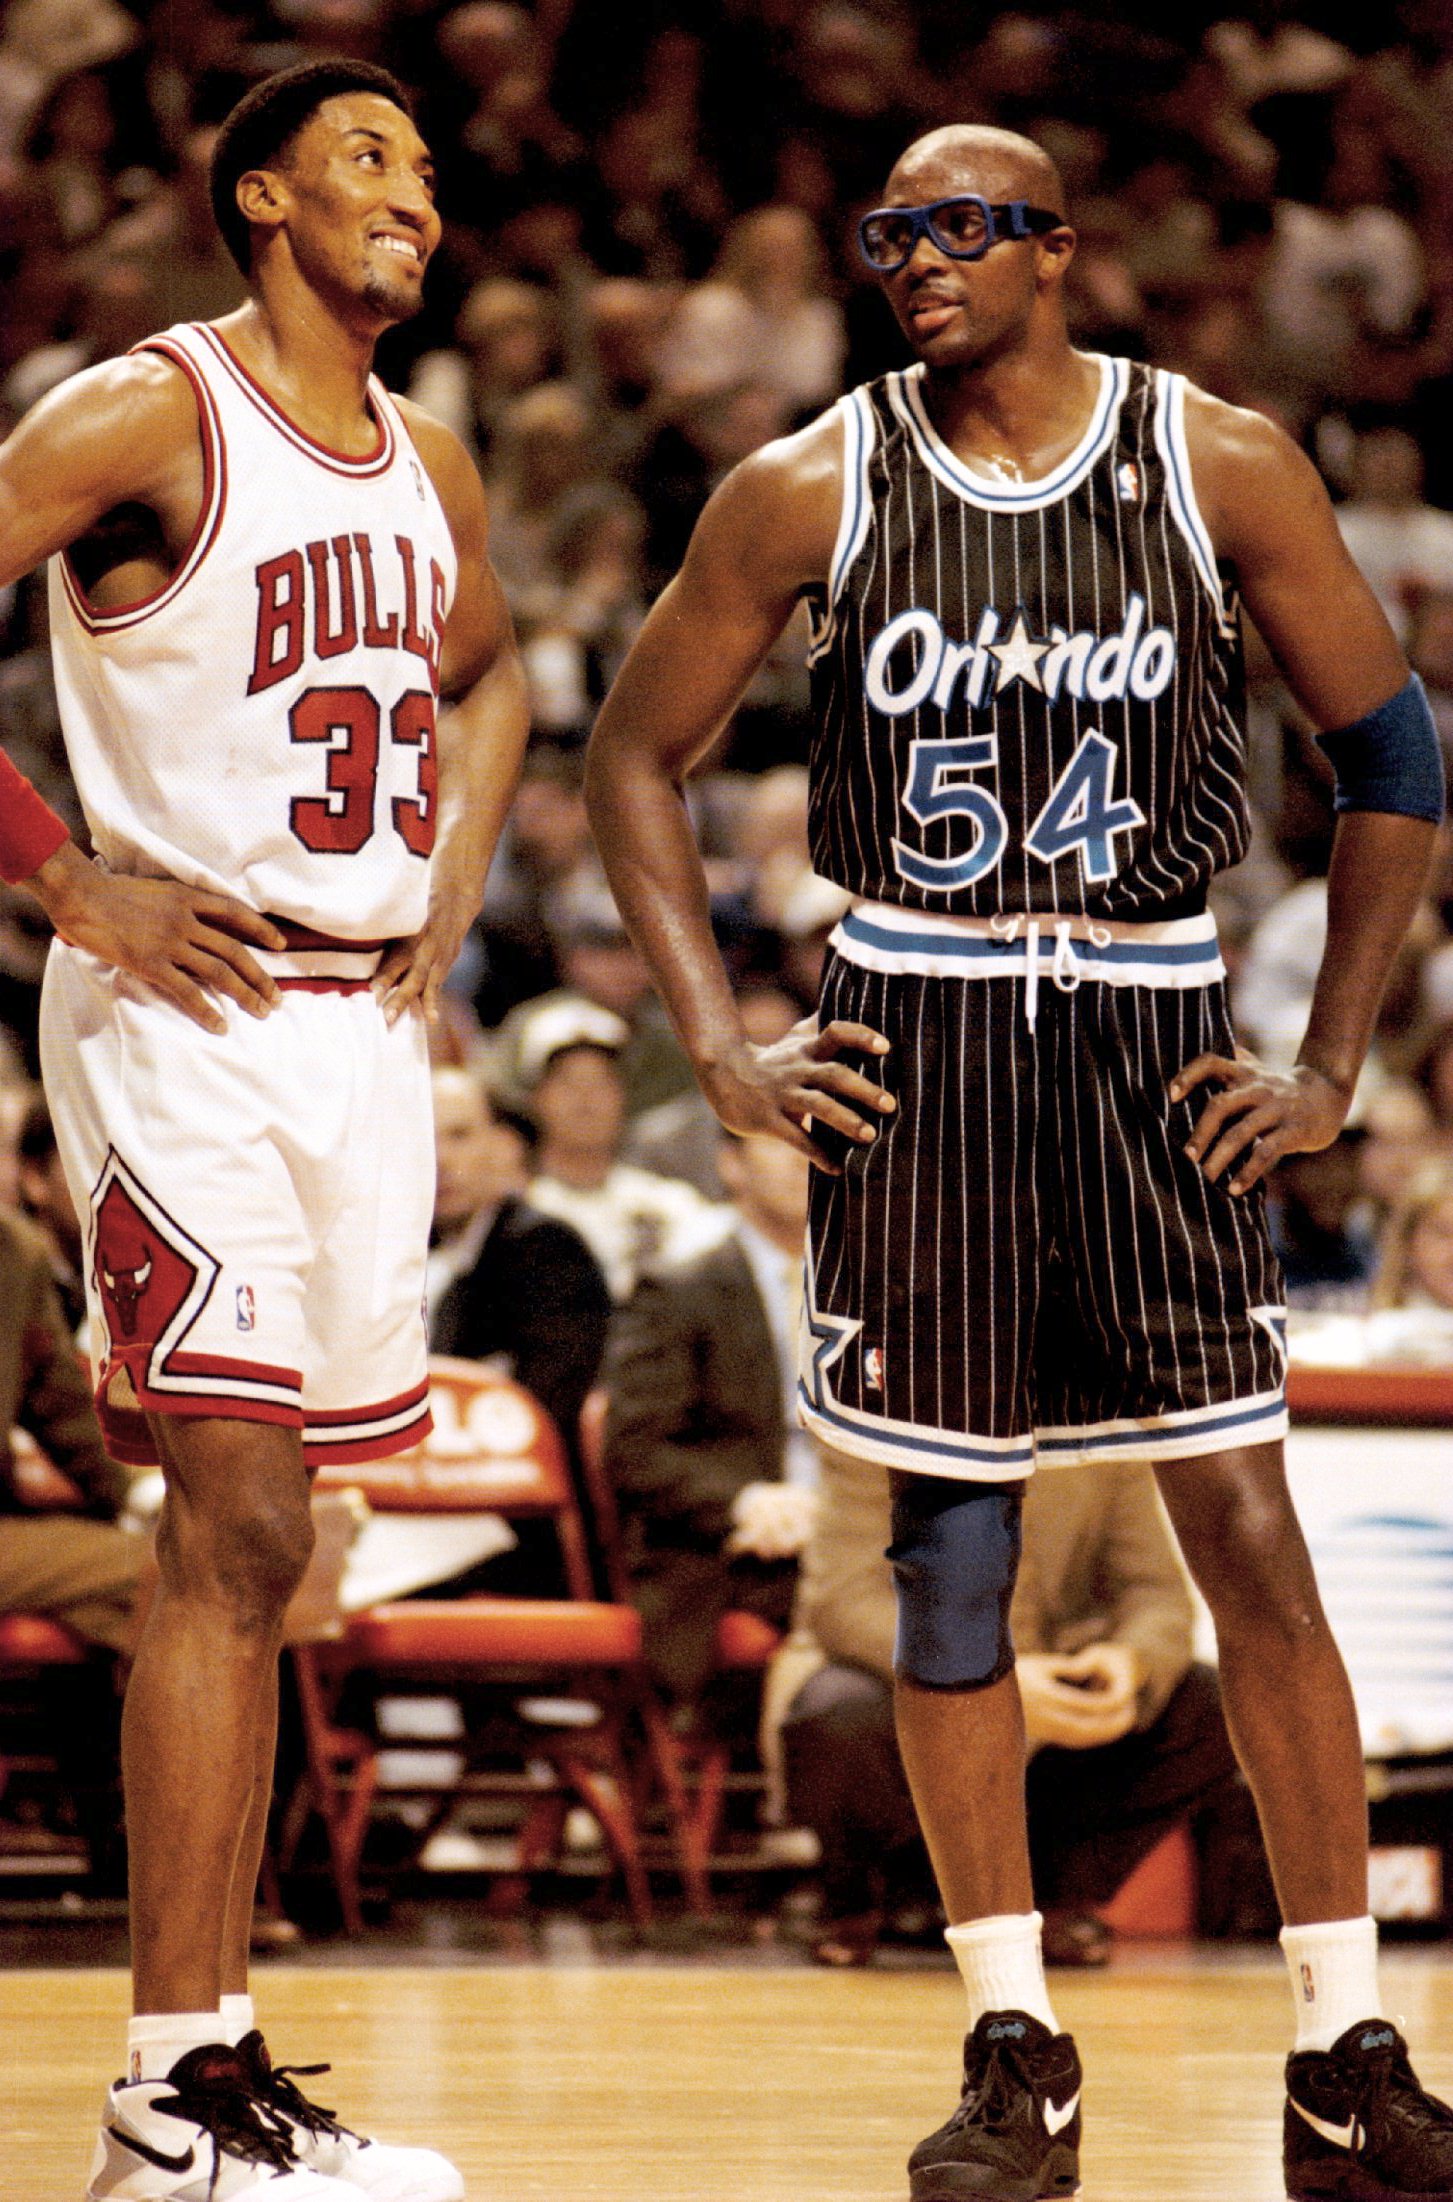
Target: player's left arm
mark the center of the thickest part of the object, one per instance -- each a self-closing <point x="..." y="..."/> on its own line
<point x="482" y="732"/>
<point x="1272" y="521"/>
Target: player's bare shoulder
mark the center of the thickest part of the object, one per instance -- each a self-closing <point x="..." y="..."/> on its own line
<point x="123" y="433"/>
<point x="1252" y="482"/>
<point x="774" y="519"/>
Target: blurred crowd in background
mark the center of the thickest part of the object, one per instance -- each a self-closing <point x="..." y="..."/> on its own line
<point x="647" y="272"/>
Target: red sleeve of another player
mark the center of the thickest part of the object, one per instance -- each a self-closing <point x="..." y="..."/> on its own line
<point x="29" y="829"/>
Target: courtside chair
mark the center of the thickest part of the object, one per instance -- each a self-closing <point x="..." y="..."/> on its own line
<point x="699" y="1767"/>
<point x="494" y="1449"/>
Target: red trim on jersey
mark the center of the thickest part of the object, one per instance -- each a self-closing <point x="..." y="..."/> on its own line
<point x="303" y="936"/>
<point x="368" y="1448"/>
<point x="341" y="1417"/>
<point x="29" y="829"/>
<point x="322" y="986"/>
<point x="104" y="621"/>
<point x="337" y="462"/>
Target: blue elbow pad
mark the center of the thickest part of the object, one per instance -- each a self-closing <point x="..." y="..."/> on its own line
<point x="1391" y="760"/>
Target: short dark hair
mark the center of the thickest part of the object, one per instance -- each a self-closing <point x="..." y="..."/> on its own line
<point x="268" y="118"/>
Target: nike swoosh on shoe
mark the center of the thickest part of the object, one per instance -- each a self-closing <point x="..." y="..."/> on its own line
<point x="157" y="2156"/>
<point x="1057" y="2118"/>
<point x="1350" y="2136"/>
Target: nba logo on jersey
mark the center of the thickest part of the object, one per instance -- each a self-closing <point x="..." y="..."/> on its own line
<point x="873" y="1368"/>
<point x="1127" y="478"/>
<point x="246" y="1308"/>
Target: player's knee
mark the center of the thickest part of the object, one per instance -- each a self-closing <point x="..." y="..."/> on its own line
<point x="955" y="1555"/>
<point x="248" y="1556"/>
<point x="1251" y="1564"/>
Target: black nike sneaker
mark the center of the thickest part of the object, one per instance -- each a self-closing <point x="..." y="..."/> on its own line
<point x="201" y="2135"/>
<point x="1015" y="2136"/>
<point x="1358" y="2126"/>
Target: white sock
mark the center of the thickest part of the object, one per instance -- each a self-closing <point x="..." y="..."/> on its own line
<point x="1334" y="1977"/>
<point x="156" y="2040"/>
<point x="1002" y="1967"/>
<point x="238" y="2017"/>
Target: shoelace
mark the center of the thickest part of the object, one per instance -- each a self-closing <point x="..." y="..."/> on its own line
<point x="288" y="2098"/>
<point x="990" y="2094"/>
<point x="237" y="2122"/>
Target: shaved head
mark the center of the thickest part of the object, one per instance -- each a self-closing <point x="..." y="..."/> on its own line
<point x="972" y="156"/>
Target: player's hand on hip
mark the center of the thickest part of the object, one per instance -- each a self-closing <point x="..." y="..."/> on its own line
<point x="187" y="943"/>
<point x="1257" y="1115"/>
<point x="414" y="970"/>
<point x="804" y="1077"/>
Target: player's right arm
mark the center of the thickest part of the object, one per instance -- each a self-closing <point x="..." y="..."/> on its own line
<point x="124" y="433"/>
<point x="766" y="535"/>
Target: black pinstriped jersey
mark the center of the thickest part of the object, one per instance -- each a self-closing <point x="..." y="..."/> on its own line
<point x="1027" y="696"/>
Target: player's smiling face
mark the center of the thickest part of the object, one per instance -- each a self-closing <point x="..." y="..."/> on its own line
<point x="362" y="217"/>
<point x="957" y="313"/>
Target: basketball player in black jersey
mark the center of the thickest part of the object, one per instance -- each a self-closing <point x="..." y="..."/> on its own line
<point x="1037" y="1230"/>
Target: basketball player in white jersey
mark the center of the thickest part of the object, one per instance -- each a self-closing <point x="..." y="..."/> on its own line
<point x="1037" y="1231"/>
<point x="267" y="575"/>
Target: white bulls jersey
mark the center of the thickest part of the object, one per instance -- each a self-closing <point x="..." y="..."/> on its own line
<point x="264" y="725"/>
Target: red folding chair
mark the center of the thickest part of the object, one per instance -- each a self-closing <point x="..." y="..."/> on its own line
<point x="494" y="1449"/>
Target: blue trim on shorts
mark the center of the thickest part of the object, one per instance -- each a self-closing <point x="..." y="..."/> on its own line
<point x="1179" y="954"/>
<point x="1088" y="1440"/>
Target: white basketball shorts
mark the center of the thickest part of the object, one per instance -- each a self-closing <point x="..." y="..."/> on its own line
<point x="255" y="1203"/>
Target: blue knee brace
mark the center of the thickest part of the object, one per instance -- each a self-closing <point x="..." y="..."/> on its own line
<point x="955" y="1555"/>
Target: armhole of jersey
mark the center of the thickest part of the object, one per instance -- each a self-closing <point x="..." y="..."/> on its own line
<point x="859" y="429"/>
<point x="1170" y="439"/>
<point x="389" y="409"/>
<point x="209" y="516"/>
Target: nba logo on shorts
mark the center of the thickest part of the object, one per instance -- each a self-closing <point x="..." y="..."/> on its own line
<point x="873" y="1368"/>
<point x="246" y="1308"/>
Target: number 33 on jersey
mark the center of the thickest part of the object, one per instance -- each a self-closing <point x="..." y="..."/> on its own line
<point x="1027" y="696"/>
<point x="279" y="694"/>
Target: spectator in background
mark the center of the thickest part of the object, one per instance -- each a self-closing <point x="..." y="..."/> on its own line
<point x="1320" y="1225"/>
<point x="682" y="1138"/>
<point x="506" y="341"/>
<point x="69" y="1561"/>
<point x="1415" y="1266"/>
<point x="715" y="1479"/>
<point x="1126" y="1732"/>
<point x="506" y="1282"/>
<point x="589" y="607"/>
<point x="599" y="964"/>
<point x="569" y="1068"/>
<point x="1346" y="275"/>
<point x="46" y="1200"/>
<point x="1403" y="546"/>
<point x="1401" y="1134"/>
<point x="545" y="452"/>
<point x="509" y="957"/>
<point x="762" y="316"/>
<point x="626" y="325"/>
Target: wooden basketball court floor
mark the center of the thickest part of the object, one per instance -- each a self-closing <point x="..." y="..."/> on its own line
<point x="718" y="2084"/>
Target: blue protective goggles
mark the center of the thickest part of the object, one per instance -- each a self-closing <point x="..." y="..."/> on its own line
<point x="964" y="227"/>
